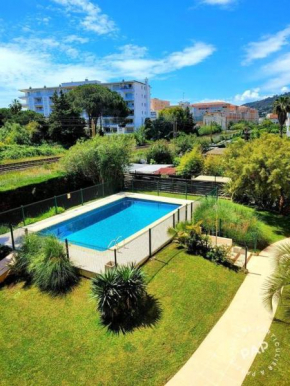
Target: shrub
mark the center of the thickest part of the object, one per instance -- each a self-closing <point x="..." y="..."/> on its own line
<point x="52" y="271"/>
<point x="160" y="153"/>
<point x="218" y="254"/>
<point x="23" y="151"/>
<point x="208" y="130"/>
<point x="237" y="222"/>
<point x="191" y="163"/>
<point x="260" y="171"/>
<point x="213" y="165"/>
<point x="190" y="236"/>
<point x="119" y="292"/>
<point x="183" y="143"/>
<point x="43" y="260"/>
<point x="100" y="159"/>
<point x="21" y="265"/>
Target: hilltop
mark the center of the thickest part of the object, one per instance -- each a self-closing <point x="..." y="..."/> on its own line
<point x="265" y="106"/>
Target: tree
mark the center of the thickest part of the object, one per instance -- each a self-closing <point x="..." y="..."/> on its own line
<point x="66" y="125"/>
<point x="160" y="128"/>
<point x="12" y="133"/>
<point x="160" y="153"/>
<point x="5" y="115"/>
<point x="259" y="171"/>
<point x="279" y="281"/>
<point x="281" y="108"/>
<point x="15" y="107"/>
<point x="183" y="143"/>
<point x="191" y="163"/>
<point x="213" y="165"/>
<point x="98" y="101"/>
<point x="182" y="117"/>
<point x="101" y="159"/>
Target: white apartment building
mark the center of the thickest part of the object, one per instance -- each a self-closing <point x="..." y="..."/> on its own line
<point x="137" y="96"/>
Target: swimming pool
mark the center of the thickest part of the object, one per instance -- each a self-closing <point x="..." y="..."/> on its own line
<point x="111" y="223"/>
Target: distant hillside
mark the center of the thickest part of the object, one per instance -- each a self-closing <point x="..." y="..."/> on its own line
<point x="265" y="106"/>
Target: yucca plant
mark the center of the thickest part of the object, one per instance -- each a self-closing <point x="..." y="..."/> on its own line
<point x="119" y="292"/>
<point x="51" y="269"/>
<point x="279" y="281"/>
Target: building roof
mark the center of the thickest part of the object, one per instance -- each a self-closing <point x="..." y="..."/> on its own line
<point x="211" y="104"/>
<point x="222" y="180"/>
<point x="166" y="171"/>
<point x="272" y="116"/>
<point x="147" y="169"/>
<point x="74" y="84"/>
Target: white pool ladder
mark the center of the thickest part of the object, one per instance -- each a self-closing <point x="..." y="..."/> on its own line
<point x="114" y="241"/>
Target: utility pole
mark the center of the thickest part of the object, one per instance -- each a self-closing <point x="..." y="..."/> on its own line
<point x="174" y="129"/>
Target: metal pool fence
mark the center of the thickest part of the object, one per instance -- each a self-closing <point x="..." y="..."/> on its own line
<point x="136" y="250"/>
<point x="28" y="214"/>
<point x="181" y="187"/>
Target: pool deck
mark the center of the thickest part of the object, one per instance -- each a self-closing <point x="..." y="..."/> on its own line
<point x="83" y="257"/>
<point x="71" y="213"/>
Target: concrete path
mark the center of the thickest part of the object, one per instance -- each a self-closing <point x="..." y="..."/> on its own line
<point x="227" y="353"/>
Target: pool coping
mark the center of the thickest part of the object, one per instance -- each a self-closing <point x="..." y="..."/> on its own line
<point x="71" y="213"/>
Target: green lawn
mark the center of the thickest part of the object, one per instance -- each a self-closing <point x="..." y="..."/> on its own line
<point x="59" y="341"/>
<point x="17" y="179"/>
<point x="260" y="374"/>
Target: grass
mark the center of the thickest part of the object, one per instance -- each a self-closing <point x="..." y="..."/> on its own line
<point x="260" y="374"/>
<point x="274" y="226"/>
<point x="17" y="179"/>
<point x="26" y="159"/>
<point x="60" y="341"/>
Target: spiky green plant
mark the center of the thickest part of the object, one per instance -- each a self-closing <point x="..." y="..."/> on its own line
<point x="20" y="266"/>
<point x="189" y="236"/>
<point x="52" y="271"/>
<point x="119" y="292"/>
<point x="279" y="280"/>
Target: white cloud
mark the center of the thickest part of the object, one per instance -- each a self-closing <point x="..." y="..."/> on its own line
<point x="139" y="66"/>
<point x="266" y="46"/>
<point x="218" y="2"/>
<point x="75" y="39"/>
<point x="248" y="95"/>
<point x="94" y="19"/>
<point x="277" y="72"/>
<point x="285" y="89"/>
<point x="23" y="66"/>
<point x="48" y="44"/>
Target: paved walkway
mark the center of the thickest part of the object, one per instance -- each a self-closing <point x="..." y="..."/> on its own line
<point x="227" y="353"/>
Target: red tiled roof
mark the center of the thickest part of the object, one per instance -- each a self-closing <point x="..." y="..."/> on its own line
<point x="165" y="171"/>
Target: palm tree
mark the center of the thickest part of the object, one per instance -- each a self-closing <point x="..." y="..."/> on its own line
<point x="15" y="107"/>
<point x="281" y="108"/>
<point x="280" y="279"/>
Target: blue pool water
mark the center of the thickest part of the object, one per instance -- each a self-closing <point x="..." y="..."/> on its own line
<point x="120" y="219"/>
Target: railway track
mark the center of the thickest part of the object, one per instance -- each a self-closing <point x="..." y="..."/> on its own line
<point x="28" y="164"/>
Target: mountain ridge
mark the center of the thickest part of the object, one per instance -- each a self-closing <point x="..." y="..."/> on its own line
<point x="265" y="106"/>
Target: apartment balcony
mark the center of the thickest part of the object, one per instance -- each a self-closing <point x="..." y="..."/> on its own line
<point x="129" y="97"/>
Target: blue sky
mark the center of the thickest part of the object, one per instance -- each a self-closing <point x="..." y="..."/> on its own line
<point x="234" y="50"/>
